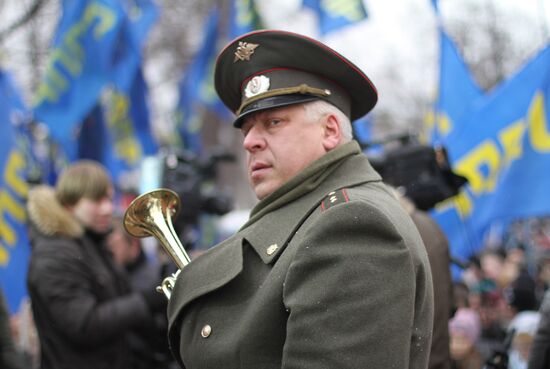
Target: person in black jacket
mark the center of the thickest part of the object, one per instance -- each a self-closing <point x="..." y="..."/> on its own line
<point x="83" y="306"/>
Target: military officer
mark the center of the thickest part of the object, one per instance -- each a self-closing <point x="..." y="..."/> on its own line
<point x="329" y="271"/>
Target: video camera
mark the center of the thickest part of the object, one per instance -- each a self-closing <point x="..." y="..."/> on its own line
<point x="192" y="178"/>
<point x="423" y="172"/>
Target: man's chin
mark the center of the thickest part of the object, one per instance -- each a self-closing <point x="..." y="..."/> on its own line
<point x="262" y="190"/>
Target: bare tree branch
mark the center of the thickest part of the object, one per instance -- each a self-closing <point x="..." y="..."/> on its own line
<point x="33" y="10"/>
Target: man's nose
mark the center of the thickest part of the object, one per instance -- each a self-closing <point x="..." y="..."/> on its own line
<point x="254" y="139"/>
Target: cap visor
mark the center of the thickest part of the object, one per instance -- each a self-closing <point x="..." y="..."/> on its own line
<point x="271" y="103"/>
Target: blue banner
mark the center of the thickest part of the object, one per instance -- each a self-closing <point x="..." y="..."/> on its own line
<point x="93" y="142"/>
<point x="195" y="90"/>
<point x="139" y="18"/>
<point x="143" y="14"/>
<point x="244" y="17"/>
<point x="128" y="130"/>
<point x="117" y="133"/>
<point x="14" y="244"/>
<point x="81" y="62"/>
<point x="129" y="134"/>
<point x="502" y="145"/>
<point x="457" y="92"/>
<point x="140" y="115"/>
<point x="97" y="142"/>
<point x="335" y="14"/>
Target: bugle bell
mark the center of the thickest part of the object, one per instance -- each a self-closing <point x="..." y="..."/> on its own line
<point x="150" y="214"/>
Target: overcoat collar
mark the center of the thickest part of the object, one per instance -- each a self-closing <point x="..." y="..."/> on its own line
<point x="270" y="235"/>
<point x="304" y="182"/>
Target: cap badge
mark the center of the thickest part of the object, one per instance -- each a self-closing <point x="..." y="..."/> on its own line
<point x="244" y="51"/>
<point x="256" y="86"/>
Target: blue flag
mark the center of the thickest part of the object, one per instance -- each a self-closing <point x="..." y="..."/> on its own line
<point x="82" y="61"/>
<point x="93" y="142"/>
<point x="187" y="117"/>
<point x="195" y="91"/>
<point x="128" y="128"/>
<point x="127" y="119"/>
<point x="139" y="17"/>
<point x="502" y="145"/>
<point x="457" y="92"/>
<point x="117" y="133"/>
<point x="244" y="18"/>
<point x="140" y="116"/>
<point x="335" y="14"/>
<point x="143" y="14"/>
<point x="97" y="142"/>
<point x="14" y="244"/>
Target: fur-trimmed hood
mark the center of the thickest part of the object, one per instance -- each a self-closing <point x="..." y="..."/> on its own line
<point x="49" y="216"/>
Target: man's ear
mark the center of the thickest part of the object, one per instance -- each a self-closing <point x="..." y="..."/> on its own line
<point x="332" y="134"/>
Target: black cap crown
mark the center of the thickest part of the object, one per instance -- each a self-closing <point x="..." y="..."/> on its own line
<point x="270" y="68"/>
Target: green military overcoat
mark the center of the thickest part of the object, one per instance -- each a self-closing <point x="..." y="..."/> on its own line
<point x="330" y="273"/>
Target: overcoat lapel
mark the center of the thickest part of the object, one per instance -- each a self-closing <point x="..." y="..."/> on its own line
<point x="221" y="264"/>
<point x="210" y="271"/>
<point x="270" y="235"/>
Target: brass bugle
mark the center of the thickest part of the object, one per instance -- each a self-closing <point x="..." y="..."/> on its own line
<point x="150" y="214"/>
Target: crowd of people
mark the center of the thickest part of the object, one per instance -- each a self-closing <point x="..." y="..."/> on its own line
<point x="499" y="305"/>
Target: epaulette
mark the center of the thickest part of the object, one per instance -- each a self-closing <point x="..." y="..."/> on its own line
<point x="334" y="198"/>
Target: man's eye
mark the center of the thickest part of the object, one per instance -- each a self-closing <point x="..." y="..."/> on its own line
<point x="274" y="122"/>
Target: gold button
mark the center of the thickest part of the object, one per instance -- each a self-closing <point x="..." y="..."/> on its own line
<point x="271" y="249"/>
<point x="205" y="331"/>
<point x="333" y="199"/>
<point x="332" y="193"/>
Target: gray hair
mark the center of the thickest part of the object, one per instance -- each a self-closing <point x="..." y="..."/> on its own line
<point x="317" y="109"/>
